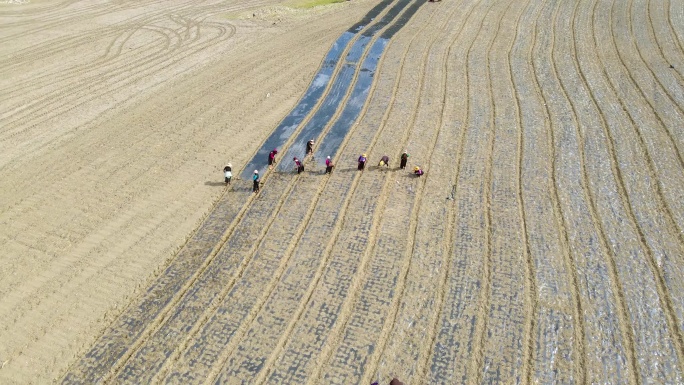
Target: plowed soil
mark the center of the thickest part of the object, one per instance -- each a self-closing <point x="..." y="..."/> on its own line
<point x="544" y="244"/>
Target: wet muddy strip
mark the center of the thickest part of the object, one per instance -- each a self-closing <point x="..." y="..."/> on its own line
<point x="117" y="340"/>
<point x="312" y="95"/>
<point x="343" y="81"/>
<point x="332" y="140"/>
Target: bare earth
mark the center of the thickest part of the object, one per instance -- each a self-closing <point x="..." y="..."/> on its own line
<point x="545" y="243"/>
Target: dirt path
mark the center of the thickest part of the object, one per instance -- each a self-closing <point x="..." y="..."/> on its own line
<point x="543" y="244"/>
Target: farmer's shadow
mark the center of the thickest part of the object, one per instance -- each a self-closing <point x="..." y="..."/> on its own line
<point x="241" y="188"/>
<point x="214" y="184"/>
<point x="350" y="169"/>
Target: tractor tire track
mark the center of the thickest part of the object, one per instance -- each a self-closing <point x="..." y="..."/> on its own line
<point x="246" y="67"/>
<point x="174" y="304"/>
<point x="97" y="85"/>
<point x="151" y="136"/>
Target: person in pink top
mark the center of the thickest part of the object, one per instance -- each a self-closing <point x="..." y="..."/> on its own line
<point x="298" y="165"/>
<point x="272" y="158"/>
<point x="328" y="165"/>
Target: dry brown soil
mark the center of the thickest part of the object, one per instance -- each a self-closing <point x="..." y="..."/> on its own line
<point x="545" y="243"/>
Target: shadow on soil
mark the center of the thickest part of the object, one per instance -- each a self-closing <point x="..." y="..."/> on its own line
<point x="215" y="184"/>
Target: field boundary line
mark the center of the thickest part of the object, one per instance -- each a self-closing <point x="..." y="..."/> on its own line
<point x="531" y="298"/>
<point x="568" y="259"/>
<point x="422" y="366"/>
<point x="244" y="326"/>
<point x="654" y="36"/>
<point x="484" y="302"/>
<point x="338" y="67"/>
<point x="163" y="312"/>
<point x="661" y="201"/>
<point x="161" y="320"/>
<point x="390" y="321"/>
<point x="663" y="293"/>
<point x="624" y="322"/>
<point x="676" y="39"/>
<point x="362" y="272"/>
<point x="268" y="365"/>
<point x="175" y="356"/>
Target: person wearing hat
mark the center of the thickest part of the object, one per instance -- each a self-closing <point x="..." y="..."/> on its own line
<point x="298" y="165"/>
<point x="328" y="165"/>
<point x="255" y="178"/>
<point x="309" y="147"/>
<point x="404" y="159"/>
<point x="272" y="158"/>
<point x="384" y="161"/>
<point x="362" y="162"/>
<point x="228" y="172"/>
<point x="417" y="171"/>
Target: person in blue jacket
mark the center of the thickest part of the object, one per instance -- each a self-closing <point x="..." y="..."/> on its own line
<point x="255" y="178"/>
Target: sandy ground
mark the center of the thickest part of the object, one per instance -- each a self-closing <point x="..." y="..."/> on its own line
<point x="545" y="243"/>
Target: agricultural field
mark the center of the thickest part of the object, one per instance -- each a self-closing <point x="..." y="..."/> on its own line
<point x="544" y="244"/>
